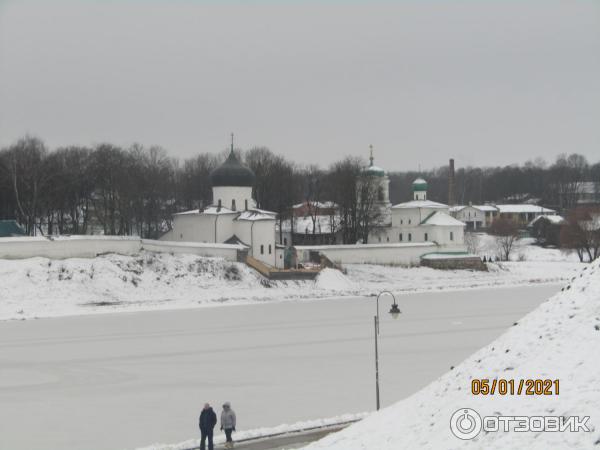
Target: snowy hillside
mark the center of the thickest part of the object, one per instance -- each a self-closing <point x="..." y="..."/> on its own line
<point x="559" y="340"/>
<point x="41" y="287"/>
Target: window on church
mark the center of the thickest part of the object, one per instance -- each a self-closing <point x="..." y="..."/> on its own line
<point x="269" y="249"/>
<point x="233" y="204"/>
<point x="262" y="249"/>
<point x="426" y="237"/>
<point x="401" y="222"/>
<point x="246" y="204"/>
<point x="219" y="204"/>
<point x="409" y="220"/>
<point x="388" y="239"/>
<point x="409" y="237"/>
<point x="400" y="237"/>
<point x="284" y="240"/>
<point x="380" y="194"/>
<point x="379" y="238"/>
<point x="451" y="235"/>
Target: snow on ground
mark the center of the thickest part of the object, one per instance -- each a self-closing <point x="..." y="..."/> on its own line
<point x="523" y="250"/>
<point x="334" y="280"/>
<point x="41" y="287"/>
<point x="264" y="432"/>
<point x="558" y="340"/>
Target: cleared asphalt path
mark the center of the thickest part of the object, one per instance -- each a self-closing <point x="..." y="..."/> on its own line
<point x="122" y="381"/>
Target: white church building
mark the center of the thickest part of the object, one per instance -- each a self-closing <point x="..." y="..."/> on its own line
<point x="232" y="218"/>
<point x="419" y="220"/>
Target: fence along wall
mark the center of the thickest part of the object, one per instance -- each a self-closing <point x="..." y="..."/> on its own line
<point x="90" y="246"/>
<point x="397" y="254"/>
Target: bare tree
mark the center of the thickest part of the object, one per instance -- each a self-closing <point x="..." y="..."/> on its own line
<point x="581" y="233"/>
<point x="506" y="233"/>
<point x="29" y="178"/>
<point x="473" y="243"/>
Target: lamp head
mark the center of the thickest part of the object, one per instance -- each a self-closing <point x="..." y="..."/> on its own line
<point x="395" y="311"/>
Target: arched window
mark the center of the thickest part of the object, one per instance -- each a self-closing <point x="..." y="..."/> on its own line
<point x="233" y="204"/>
<point x="400" y="237"/>
<point x="246" y="204"/>
<point x="409" y="237"/>
<point x="262" y="249"/>
<point x="451" y="236"/>
<point x="426" y="237"/>
<point x="269" y="249"/>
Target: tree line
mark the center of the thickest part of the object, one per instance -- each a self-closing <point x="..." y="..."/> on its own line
<point x="123" y="191"/>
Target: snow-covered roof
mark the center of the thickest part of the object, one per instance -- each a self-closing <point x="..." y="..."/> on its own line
<point x="419" y="204"/>
<point x="256" y="214"/>
<point x="484" y="208"/>
<point x="523" y="208"/>
<point x="208" y="210"/>
<point x="440" y="218"/>
<point x="216" y="210"/>
<point x="191" y="211"/>
<point x="552" y="218"/>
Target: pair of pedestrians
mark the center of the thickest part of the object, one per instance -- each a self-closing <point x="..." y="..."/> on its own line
<point x="208" y="420"/>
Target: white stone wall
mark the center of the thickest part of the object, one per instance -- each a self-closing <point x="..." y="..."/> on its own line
<point x="226" y="251"/>
<point x="260" y="233"/>
<point x="191" y="228"/>
<point x="395" y="254"/>
<point x="205" y="228"/>
<point x="67" y="246"/>
<point x="435" y="233"/>
<point x="240" y="194"/>
<point x="90" y="246"/>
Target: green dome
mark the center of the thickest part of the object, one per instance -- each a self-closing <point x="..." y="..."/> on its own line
<point x="419" y="185"/>
<point x="375" y="171"/>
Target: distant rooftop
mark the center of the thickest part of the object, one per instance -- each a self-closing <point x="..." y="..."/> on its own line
<point x="419" y="204"/>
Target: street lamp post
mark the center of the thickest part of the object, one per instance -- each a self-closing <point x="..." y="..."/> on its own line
<point x="394" y="312"/>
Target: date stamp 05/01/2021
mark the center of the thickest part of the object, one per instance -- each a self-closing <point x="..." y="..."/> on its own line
<point x="501" y="386"/>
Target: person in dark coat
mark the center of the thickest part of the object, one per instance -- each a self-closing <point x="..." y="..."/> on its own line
<point x="228" y="423"/>
<point x="207" y="422"/>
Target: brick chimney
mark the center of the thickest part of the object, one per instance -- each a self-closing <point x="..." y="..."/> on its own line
<point x="451" y="184"/>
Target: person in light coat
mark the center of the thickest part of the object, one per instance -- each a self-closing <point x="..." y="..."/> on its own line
<point x="228" y="423"/>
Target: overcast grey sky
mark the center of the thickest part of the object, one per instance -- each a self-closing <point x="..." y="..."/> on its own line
<point x="486" y="82"/>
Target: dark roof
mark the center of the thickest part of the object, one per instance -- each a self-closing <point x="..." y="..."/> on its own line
<point x="232" y="173"/>
<point x="235" y="240"/>
<point x="9" y="228"/>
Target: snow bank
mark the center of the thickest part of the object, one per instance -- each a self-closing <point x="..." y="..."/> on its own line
<point x="259" y="433"/>
<point x="559" y="340"/>
<point x="42" y="287"/>
<point x="334" y="280"/>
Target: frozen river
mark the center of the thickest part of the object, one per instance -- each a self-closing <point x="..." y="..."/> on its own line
<point x="120" y="381"/>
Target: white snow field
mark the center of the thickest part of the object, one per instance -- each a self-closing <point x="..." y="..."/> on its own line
<point x="559" y="340"/>
<point x="129" y="380"/>
<point x="40" y="287"/>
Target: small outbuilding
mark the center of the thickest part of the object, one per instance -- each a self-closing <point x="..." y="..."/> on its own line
<point x="10" y="228"/>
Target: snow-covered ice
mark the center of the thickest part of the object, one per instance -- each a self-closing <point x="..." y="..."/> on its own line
<point x="559" y="340"/>
<point x="128" y="380"/>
